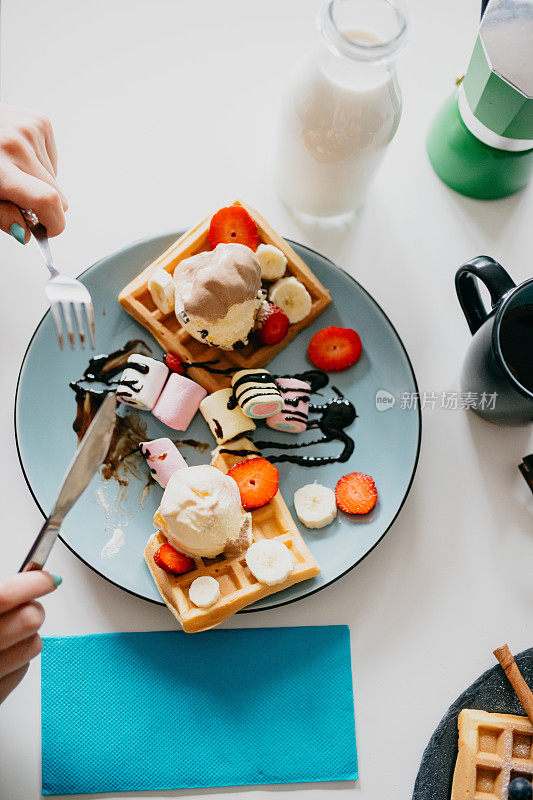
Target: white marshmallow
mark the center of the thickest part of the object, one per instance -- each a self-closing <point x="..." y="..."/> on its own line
<point x="225" y="423"/>
<point x="142" y="382"/>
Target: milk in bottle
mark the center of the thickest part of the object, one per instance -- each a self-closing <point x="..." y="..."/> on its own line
<point x="342" y="108"/>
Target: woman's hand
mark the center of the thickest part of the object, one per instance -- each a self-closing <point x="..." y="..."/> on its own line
<point x="28" y="167"/>
<point x="21" y="616"/>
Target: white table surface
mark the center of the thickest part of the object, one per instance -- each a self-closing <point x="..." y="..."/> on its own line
<point x="164" y="110"/>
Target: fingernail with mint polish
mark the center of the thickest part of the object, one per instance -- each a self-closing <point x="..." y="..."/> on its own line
<point x="18" y="233"/>
<point x="58" y="580"/>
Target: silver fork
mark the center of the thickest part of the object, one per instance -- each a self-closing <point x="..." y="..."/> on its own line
<point x="64" y="294"/>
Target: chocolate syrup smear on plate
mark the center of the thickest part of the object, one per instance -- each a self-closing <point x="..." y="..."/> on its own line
<point x="335" y="415"/>
<point x="123" y="459"/>
<point x="208" y="366"/>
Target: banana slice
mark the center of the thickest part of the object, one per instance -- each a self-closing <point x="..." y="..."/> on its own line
<point x="273" y="262"/>
<point x="162" y="287"/>
<point x="270" y="561"/>
<point x="204" y="591"/>
<point x="315" y="505"/>
<point x="292" y="297"/>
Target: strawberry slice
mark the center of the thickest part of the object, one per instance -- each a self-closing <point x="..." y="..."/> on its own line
<point x="257" y="480"/>
<point x="233" y="224"/>
<point x="272" y="324"/>
<point x="356" y="493"/>
<point x="169" y="559"/>
<point x="174" y="363"/>
<point x="333" y="349"/>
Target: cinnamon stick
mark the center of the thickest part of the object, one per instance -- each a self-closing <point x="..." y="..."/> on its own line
<point x="523" y="692"/>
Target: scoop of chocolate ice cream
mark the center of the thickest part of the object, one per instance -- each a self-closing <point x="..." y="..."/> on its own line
<point x="210" y="283"/>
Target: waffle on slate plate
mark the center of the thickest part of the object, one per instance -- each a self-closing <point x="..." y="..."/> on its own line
<point x="493" y="750"/>
<point x="238" y="587"/>
<point x="136" y="300"/>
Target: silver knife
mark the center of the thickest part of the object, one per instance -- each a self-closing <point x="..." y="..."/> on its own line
<point x="89" y="456"/>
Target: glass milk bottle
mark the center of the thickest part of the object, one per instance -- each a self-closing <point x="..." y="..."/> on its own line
<point x="342" y="108"/>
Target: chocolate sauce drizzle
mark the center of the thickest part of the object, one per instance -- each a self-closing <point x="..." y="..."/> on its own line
<point x="97" y="381"/>
<point x="123" y="459"/>
<point x="266" y="382"/>
<point x="337" y="414"/>
<point x="295" y="401"/>
<point x="134" y="386"/>
<point x="314" y="377"/>
<point x="207" y="365"/>
<point x="105" y="366"/>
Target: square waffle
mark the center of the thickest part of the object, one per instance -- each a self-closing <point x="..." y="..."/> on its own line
<point x="493" y="750"/>
<point x="238" y="587"/>
<point x="135" y="298"/>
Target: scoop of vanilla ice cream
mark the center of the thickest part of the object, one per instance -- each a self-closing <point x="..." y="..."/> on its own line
<point x="217" y="294"/>
<point x="202" y="511"/>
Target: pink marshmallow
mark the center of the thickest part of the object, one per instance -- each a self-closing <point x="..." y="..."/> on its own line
<point x="163" y="459"/>
<point x="178" y="402"/>
<point x="293" y="416"/>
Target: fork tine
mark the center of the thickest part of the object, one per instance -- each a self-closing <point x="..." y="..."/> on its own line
<point x="88" y="306"/>
<point x="65" y="307"/>
<point x="79" y="319"/>
<point x="56" y="316"/>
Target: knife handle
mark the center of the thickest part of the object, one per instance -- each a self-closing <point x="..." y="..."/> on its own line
<point x="28" y="566"/>
<point x="42" y="545"/>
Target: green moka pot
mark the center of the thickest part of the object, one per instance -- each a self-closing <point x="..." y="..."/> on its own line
<point x="481" y="141"/>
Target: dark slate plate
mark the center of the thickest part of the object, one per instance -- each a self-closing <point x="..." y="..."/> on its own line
<point x="491" y="692"/>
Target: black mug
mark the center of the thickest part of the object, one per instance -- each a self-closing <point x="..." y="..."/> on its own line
<point x="498" y="368"/>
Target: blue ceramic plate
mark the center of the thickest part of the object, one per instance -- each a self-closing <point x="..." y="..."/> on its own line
<point x="386" y="441"/>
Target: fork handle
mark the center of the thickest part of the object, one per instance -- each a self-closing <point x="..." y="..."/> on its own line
<point x="41" y="237"/>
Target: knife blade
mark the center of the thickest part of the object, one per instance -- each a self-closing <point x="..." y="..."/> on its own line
<point x="89" y="456"/>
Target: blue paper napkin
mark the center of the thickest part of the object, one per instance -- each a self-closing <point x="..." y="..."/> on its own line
<point x="169" y="710"/>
